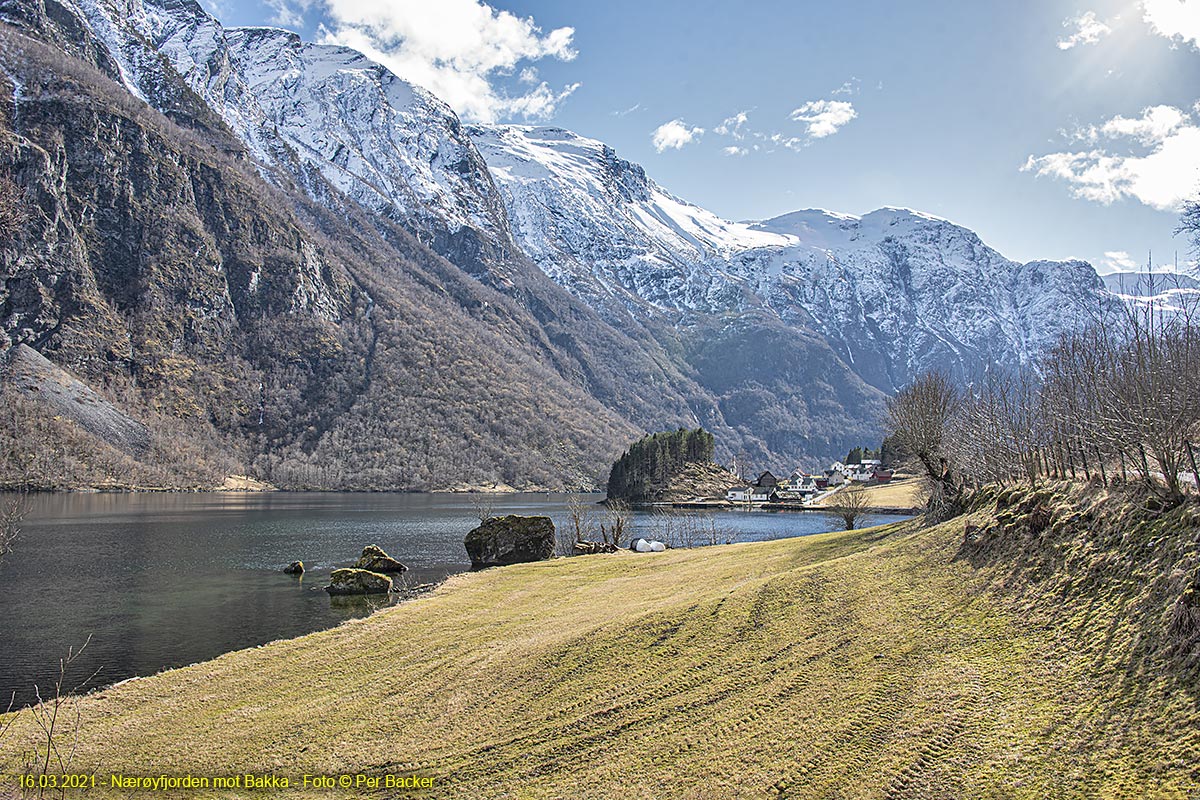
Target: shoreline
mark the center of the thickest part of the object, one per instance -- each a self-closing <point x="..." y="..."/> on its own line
<point x="28" y="490"/>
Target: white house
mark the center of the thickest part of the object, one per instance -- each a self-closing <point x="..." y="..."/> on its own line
<point x="759" y="494"/>
<point x="862" y="474"/>
<point x="738" y="494"/>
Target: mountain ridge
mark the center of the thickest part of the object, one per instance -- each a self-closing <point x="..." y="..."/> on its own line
<point x="639" y="303"/>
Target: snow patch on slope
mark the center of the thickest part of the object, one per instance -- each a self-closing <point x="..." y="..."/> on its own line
<point x="896" y="290"/>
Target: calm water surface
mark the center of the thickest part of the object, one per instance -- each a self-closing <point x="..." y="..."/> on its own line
<point x="165" y="580"/>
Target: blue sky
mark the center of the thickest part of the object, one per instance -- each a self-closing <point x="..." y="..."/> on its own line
<point x="1054" y="129"/>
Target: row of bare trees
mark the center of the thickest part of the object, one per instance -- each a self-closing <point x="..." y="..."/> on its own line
<point x="1116" y="400"/>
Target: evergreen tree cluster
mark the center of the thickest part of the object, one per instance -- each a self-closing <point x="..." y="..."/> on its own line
<point x="890" y="453"/>
<point x="647" y="467"/>
<point x="857" y="454"/>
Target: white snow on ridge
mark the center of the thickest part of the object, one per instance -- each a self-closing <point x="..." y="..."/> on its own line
<point x="896" y="286"/>
<point x="554" y="162"/>
<point x="385" y="143"/>
<point x="894" y="290"/>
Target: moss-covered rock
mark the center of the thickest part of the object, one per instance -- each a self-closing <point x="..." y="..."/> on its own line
<point x="510" y="540"/>
<point x="374" y="559"/>
<point x="358" y="581"/>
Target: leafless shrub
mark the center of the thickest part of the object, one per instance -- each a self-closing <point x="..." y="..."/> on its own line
<point x="678" y="528"/>
<point x="580" y="527"/>
<point x="59" y="720"/>
<point x="582" y="518"/>
<point x="615" y="523"/>
<point x="482" y="504"/>
<point x="12" y="514"/>
<point x="850" y="503"/>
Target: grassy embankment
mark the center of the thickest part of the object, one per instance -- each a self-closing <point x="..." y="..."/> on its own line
<point x="1032" y="660"/>
<point x="904" y="491"/>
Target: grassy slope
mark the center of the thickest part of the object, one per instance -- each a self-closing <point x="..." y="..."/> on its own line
<point x="906" y="492"/>
<point x="867" y="664"/>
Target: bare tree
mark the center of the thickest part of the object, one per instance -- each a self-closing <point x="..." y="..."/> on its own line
<point x="1120" y="395"/>
<point x="851" y="504"/>
<point x="996" y="432"/>
<point x="581" y="516"/>
<point x="1189" y="222"/>
<point x="920" y="416"/>
<point x="58" y="718"/>
<point x="482" y="503"/>
<point x="616" y="522"/>
<point x="12" y="513"/>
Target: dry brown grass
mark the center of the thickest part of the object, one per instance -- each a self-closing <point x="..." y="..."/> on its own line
<point x="867" y="664"/>
<point x="904" y="491"/>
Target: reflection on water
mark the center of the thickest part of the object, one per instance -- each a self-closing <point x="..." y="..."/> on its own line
<point x="163" y="580"/>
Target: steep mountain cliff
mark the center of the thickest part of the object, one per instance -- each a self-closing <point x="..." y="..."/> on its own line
<point x="159" y="267"/>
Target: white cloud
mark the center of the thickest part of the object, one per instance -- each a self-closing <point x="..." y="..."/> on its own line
<point x="734" y="150"/>
<point x="1154" y="126"/>
<point x="1163" y="176"/>
<point x="850" y="87"/>
<point x="796" y="143"/>
<point x="823" y="118"/>
<point x="1174" y="19"/>
<point x="1088" y="30"/>
<point x="454" y="48"/>
<point x="289" y="13"/>
<point x="540" y="103"/>
<point x="1119" y="261"/>
<point x="732" y="126"/>
<point x="625" y="112"/>
<point x="674" y="134"/>
<point x="528" y="75"/>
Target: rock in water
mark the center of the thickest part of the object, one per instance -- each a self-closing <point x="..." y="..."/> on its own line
<point x="358" y="581"/>
<point x="374" y="559"/>
<point x="510" y="540"/>
<point x="294" y="568"/>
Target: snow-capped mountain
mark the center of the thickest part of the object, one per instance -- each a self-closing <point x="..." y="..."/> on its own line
<point x="897" y="290"/>
<point x="894" y="291"/>
<point x="596" y="224"/>
<point x="311" y="109"/>
<point x="784" y="334"/>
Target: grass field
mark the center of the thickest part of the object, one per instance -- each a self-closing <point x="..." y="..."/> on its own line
<point x="870" y="664"/>
<point x="901" y="492"/>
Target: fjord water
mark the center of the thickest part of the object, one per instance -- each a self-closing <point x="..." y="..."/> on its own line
<point x="165" y="580"/>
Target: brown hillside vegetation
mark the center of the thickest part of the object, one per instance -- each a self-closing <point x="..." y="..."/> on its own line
<point x="1050" y="652"/>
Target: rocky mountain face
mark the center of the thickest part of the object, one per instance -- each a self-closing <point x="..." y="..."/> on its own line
<point x="308" y="268"/>
<point x="252" y="327"/>
<point x="895" y="292"/>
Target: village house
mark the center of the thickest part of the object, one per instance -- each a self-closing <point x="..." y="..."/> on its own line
<point x="760" y="491"/>
<point x="738" y="494"/>
<point x="766" y="481"/>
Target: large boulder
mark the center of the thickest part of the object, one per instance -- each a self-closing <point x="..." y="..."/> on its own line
<point x="374" y="559"/>
<point x="294" y="568"/>
<point x="358" y="581"/>
<point x="510" y="540"/>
